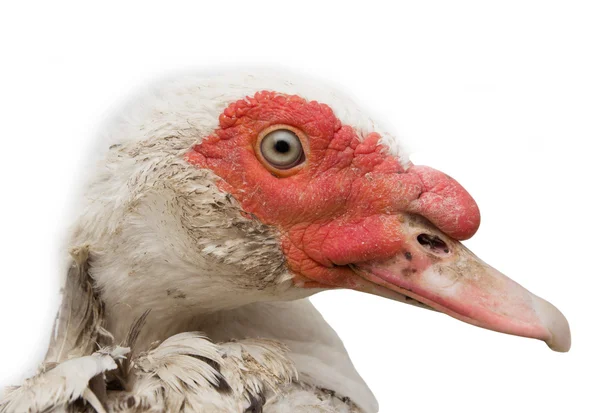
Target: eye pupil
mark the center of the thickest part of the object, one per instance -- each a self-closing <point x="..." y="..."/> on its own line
<point x="282" y="146"/>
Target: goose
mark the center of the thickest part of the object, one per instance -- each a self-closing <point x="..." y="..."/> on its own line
<point x="215" y="205"/>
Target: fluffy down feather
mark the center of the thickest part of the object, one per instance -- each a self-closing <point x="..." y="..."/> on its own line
<point x="187" y="371"/>
<point x="65" y="384"/>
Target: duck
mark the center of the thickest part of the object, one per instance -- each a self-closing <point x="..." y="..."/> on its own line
<point x="215" y="205"/>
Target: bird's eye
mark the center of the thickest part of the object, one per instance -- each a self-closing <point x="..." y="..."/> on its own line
<point x="281" y="147"/>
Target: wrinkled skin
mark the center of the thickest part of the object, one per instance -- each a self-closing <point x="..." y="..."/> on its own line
<point x="352" y="216"/>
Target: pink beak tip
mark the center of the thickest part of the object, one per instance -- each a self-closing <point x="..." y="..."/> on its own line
<point x="555" y="322"/>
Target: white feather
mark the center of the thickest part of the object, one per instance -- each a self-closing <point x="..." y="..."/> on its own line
<point x="61" y="386"/>
<point x="179" y="362"/>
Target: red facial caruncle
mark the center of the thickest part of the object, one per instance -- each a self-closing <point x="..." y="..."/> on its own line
<point x="351" y="215"/>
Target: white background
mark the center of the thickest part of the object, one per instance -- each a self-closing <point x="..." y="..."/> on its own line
<point x="503" y="96"/>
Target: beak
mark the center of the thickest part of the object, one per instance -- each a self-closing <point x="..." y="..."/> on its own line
<point x="441" y="273"/>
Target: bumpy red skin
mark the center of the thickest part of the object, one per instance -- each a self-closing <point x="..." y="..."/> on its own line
<point x="344" y="206"/>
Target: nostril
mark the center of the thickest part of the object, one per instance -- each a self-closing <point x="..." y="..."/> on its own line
<point x="433" y="243"/>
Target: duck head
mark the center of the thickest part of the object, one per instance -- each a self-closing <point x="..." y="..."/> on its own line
<point x="219" y="191"/>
